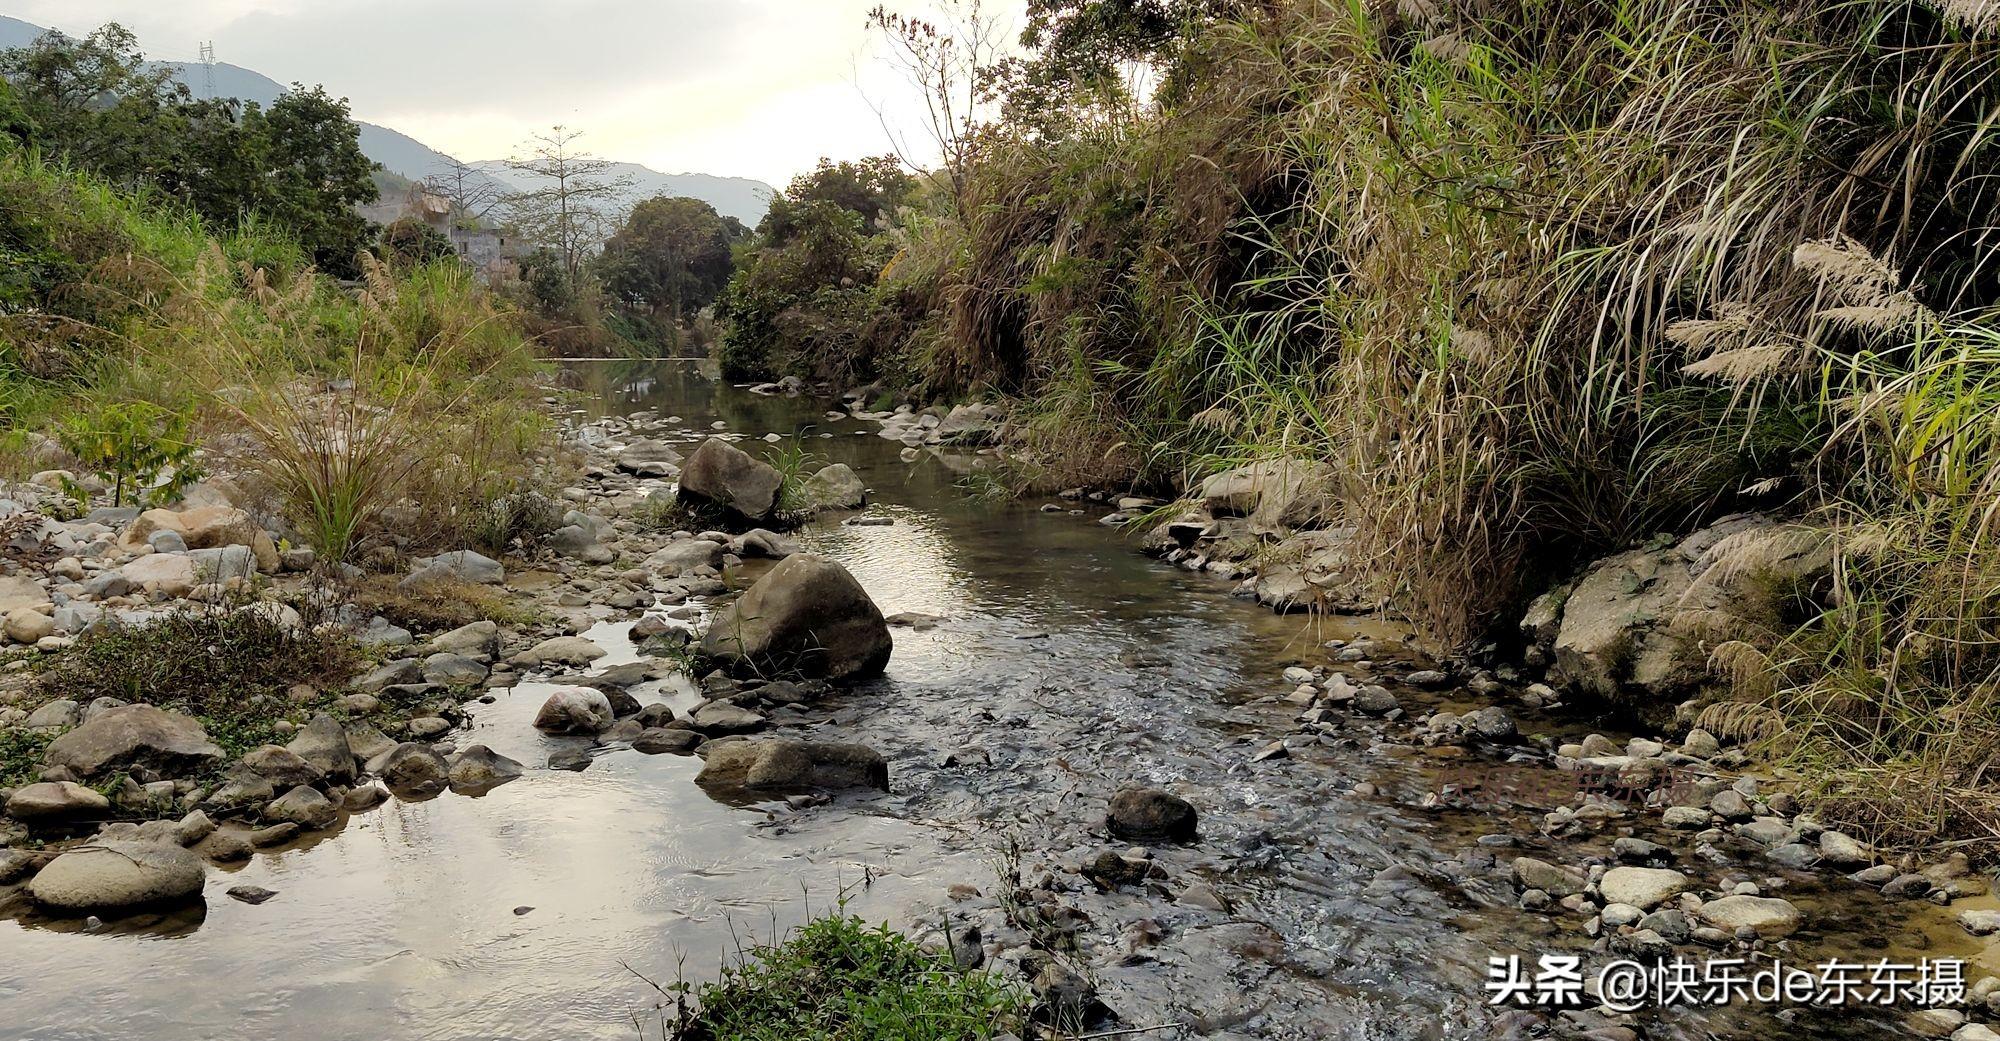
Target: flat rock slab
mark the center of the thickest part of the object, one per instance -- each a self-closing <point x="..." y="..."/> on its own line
<point x="115" y="876"/>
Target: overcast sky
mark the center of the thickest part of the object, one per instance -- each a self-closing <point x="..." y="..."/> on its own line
<point x="755" y="88"/>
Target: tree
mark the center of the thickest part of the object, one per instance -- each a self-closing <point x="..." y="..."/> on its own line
<point x="565" y="210"/>
<point x="949" y="62"/>
<point x="472" y="193"/>
<point x="873" y="188"/>
<point x="96" y="101"/>
<point x="672" y="255"/>
<point x="15" y="126"/>
<point x="318" y="174"/>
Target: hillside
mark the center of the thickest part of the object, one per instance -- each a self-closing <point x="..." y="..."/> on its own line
<point x="401" y="154"/>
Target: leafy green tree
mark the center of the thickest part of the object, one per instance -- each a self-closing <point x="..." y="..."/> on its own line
<point x="96" y="101"/>
<point x="143" y="451"/>
<point x="318" y="174"/>
<point x="15" y="126"/>
<point x="103" y="108"/>
<point x="672" y="256"/>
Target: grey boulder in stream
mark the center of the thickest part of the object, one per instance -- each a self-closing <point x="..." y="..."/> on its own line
<point x="723" y="475"/>
<point x="806" y="617"/>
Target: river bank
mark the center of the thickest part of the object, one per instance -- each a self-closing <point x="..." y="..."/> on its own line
<point x="1351" y="872"/>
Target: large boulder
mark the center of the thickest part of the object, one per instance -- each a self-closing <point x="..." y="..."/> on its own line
<point x="164" y="576"/>
<point x="650" y="459"/>
<point x="145" y="741"/>
<point x="683" y="555"/>
<point x="1274" y="493"/>
<point x="723" y="476"/>
<point x="784" y="762"/>
<point x="808" y="617"/>
<point x="575" y="710"/>
<point x="836" y="487"/>
<point x="459" y="565"/>
<point x="479" y="768"/>
<point x="1637" y="627"/>
<point x="52" y="803"/>
<point x="976" y="423"/>
<point x="212" y="526"/>
<point x="323" y="743"/>
<point x="414" y="768"/>
<point x="479" y="639"/>
<point x="1151" y="815"/>
<point x="116" y="876"/>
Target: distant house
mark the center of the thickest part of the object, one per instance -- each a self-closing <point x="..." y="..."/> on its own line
<point x="485" y="248"/>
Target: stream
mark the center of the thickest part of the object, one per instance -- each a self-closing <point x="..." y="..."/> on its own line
<point x="1065" y="665"/>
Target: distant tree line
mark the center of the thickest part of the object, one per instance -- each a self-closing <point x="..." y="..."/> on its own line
<point x="98" y="104"/>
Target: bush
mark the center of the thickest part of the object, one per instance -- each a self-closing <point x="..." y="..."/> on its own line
<point x="230" y="665"/>
<point x="837" y="979"/>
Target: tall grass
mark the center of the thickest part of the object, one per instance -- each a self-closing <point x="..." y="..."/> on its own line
<point x="1542" y="279"/>
<point x="411" y="392"/>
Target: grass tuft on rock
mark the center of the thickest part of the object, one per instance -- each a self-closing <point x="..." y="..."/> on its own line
<point x="839" y="979"/>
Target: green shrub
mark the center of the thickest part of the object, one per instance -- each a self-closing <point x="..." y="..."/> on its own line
<point x="837" y="979"/>
<point x="143" y="451"/>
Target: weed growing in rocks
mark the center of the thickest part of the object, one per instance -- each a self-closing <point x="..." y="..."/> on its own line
<point x="230" y="665"/>
<point x="839" y="979"/>
<point x="21" y="755"/>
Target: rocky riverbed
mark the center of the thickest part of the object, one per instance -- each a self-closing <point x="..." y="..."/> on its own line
<point x="1009" y="731"/>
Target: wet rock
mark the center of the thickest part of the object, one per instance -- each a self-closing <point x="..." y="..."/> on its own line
<point x="117" y="876"/>
<point x="51" y="803"/>
<point x="137" y="739"/>
<point x="275" y="835"/>
<point x="660" y="740"/>
<point x="429" y="728"/>
<point x="241" y="788"/>
<point x="225" y="847"/>
<point x="1639" y="851"/>
<point x="976" y="423"/>
<point x="757" y="542"/>
<point x="1064" y="999"/>
<point x="575" y="710"/>
<point x="366" y="797"/>
<point x="791" y="763"/>
<point x="720" y="475"/>
<point x="415" y="768"/>
<point x="560" y="650"/>
<point x="1643" y="888"/>
<point x="1556" y="881"/>
<point x="1770" y="917"/>
<point x="1688" y="818"/>
<point x="303" y="806"/>
<point x="836" y="487"/>
<point x="252" y="895"/>
<point x="1151" y="815"/>
<point x="323" y="744"/>
<point x="721" y="717"/>
<point x="1907" y="887"/>
<point x="1730" y="805"/>
<point x="1375" y="700"/>
<point x="1979" y="923"/>
<point x="684" y="555"/>
<point x="479" y="768"/>
<point x="805" y="617"/>
<point x="1934" y="1022"/>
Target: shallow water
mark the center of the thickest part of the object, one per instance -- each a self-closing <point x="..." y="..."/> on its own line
<point x="1066" y="660"/>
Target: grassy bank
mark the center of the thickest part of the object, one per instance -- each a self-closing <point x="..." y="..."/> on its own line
<point x="1540" y="280"/>
<point x="140" y="345"/>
